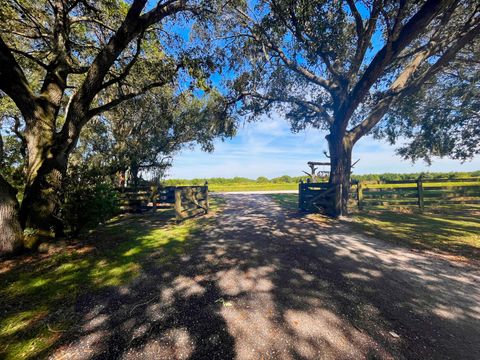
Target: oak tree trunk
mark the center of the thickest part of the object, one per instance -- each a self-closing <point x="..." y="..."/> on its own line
<point x="43" y="197"/>
<point x="340" y="167"/>
<point x="11" y="234"/>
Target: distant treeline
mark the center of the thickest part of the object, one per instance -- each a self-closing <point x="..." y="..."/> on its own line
<point x="296" y="179"/>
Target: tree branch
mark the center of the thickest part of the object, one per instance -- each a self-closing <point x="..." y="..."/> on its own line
<point x="364" y="40"/>
<point x="112" y="104"/>
<point x="326" y="84"/>
<point x="14" y="83"/>
<point x="406" y="34"/>
<point x="128" y="67"/>
<point x="30" y="57"/>
<point x="88" y="19"/>
<point x="402" y="87"/>
<point x="294" y="100"/>
<point x="358" y="20"/>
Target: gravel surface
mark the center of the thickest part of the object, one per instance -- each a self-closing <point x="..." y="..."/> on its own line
<point x="263" y="283"/>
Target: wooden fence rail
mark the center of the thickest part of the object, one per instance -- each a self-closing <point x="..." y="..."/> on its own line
<point x="187" y="201"/>
<point x="310" y="195"/>
<point x="420" y="193"/>
<point x="190" y="201"/>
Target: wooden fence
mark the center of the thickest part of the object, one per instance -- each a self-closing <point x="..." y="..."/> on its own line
<point x="134" y="200"/>
<point x="190" y="201"/>
<point x="187" y="201"/>
<point x="311" y="196"/>
<point x="420" y="193"/>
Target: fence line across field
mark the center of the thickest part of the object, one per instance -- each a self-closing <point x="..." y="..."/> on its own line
<point x="420" y="193"/>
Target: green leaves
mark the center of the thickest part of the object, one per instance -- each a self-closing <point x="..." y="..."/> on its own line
<point x="442" y="119"/>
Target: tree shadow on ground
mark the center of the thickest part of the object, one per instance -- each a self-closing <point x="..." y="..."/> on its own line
<point x="261" y="284"/>
<point x="38" y="291"/>
<point x="450" y="233"/>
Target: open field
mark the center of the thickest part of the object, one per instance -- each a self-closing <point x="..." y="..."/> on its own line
<point x="38" y="292"/>
<point x="252" y="187"/>
<point x="455" y="232"/>
<point x="426" y="183"/>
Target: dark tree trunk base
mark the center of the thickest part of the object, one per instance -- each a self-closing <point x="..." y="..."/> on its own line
<point x="11" y="235"/>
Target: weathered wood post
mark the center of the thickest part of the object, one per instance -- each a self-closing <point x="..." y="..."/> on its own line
<point x="300" y="197"/>
<point x="420" y="193"/>
<point x="207" y="200"/>
<point x="360" y="195"/>
<point x="178" y="204"/>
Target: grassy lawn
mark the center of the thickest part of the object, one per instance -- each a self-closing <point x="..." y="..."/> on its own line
<point x="38" y="292"/>
<point x="252" y="187"/>
<point x="425" y="184"/>
<point x="456" y="232"/>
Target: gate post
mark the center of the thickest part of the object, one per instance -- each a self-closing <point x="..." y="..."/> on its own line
<point x="420" y="193"/>
<point x="359" y="195"/>
<point x="300" y="195"/>
<point x="178" y="204"/>
<point x="207" y="200"/>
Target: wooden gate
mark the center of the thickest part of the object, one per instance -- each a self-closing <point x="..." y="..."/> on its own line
<point x="314" y="197"/>
<point x="190" y="201"/>
<point x="187" y="201"/>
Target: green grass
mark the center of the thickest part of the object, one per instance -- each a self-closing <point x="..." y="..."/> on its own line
<point x="453" y="231"/>
<point x="252" y="187"/>
<point x="456" y="233"/>
<point x="425" y="184"/>
<point x="38" y="293"/>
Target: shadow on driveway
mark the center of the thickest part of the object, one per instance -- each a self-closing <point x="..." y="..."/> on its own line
<point x="264" y="284"/>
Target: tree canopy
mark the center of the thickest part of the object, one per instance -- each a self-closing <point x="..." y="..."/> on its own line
<point x="345" y="66"/>
<point x="63" y="64"/>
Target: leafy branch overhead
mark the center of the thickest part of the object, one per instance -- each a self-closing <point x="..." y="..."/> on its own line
<point x="64" y="63"/>
<point x="343" y="65"/>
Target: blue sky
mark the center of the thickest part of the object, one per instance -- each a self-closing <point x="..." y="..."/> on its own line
<point x="268" y="148"/>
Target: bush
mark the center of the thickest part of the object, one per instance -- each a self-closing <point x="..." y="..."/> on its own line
<point x="87" y="205"/>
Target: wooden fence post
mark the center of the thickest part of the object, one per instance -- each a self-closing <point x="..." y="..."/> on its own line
<point x="178" y="204"/>
<point x="207" y="202"/>
<point x="359" y="195"/>
<point x="300" y="198"/>
<point x="420" y="193"/>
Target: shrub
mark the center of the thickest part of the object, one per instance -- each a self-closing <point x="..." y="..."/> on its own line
<point x="87" y="205"/>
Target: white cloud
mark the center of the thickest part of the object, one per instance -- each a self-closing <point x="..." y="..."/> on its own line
<point x="268" y="148"/>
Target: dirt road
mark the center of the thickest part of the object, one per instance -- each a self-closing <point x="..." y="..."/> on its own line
<point x="263" y="283"/>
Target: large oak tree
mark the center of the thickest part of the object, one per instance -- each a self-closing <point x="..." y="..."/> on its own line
<point x="63" y="63"/>
<point x="343" y="66"/>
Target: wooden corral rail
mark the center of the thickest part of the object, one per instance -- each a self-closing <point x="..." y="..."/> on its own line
<point x="420" y="193"/>
<point x="190" y="201"/>
<point x="187" y="201"/>
<point x="317" y="197"/>
<point x="134" y="200"/>
<point x="311" y="195"/>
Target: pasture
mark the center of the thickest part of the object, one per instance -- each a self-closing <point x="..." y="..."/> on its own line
<point x="455" y="231"/>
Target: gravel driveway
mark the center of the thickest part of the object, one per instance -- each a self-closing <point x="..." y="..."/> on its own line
<point x="263" y="283"/>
